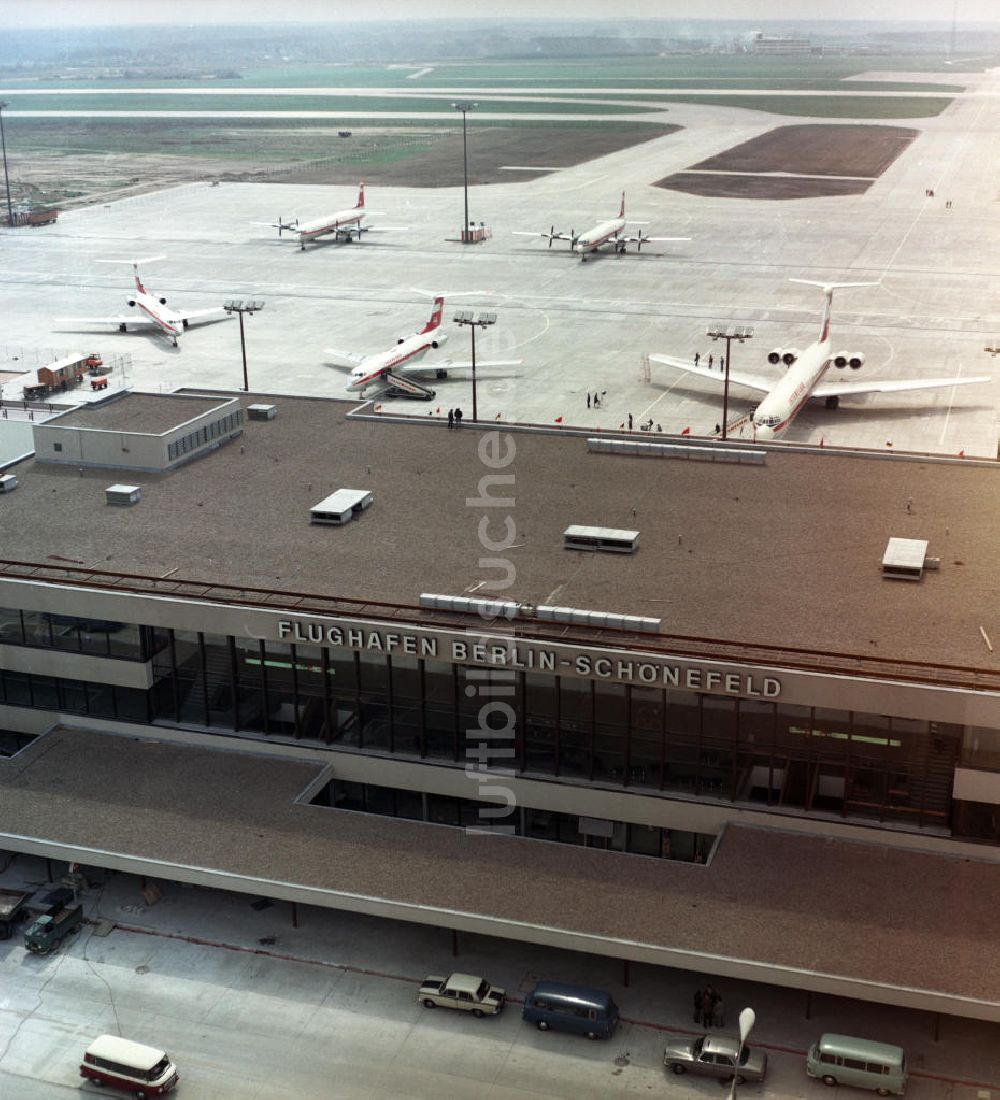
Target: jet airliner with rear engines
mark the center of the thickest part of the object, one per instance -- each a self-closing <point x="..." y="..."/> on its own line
<point x="803" y="377"/>
<point x="393" y="369"/>
<point x="611" y="232"/>
<point x="344" y="226"/>
<point x="151" y="310"/>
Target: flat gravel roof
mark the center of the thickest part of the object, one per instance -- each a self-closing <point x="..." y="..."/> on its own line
<point x="788" y="553"/>
<point x="138" y="412"/>
<point x="853" y="911"/>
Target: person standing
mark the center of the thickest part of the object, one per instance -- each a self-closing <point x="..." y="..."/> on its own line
<point x="588" y="399"/>
<point x="697" y="356"/>
<point x="451" y="418"/>
<point x="708" y="999"/>
<point x="699" y="998"/>
<point x="718" y="1012"/>
<point x="629" y="421"/>
<point x="458" y="418"/>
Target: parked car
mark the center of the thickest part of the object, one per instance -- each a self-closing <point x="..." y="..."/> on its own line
<point x="562" y="1007"/>
<point x="133" y="1067"/>
<point x="715" y="1056"/>
<point x="465" y="991"/>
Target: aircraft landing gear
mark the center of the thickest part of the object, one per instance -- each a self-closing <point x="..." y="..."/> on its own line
<point x="832" y="402"/>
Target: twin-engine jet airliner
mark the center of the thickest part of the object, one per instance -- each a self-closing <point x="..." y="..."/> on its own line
<point x="806" y="368"/>
<point x="610" y="232"/>
<point x="171" y="322"/>
<point x="394" y="368"/>
<point x="344" y="226"/>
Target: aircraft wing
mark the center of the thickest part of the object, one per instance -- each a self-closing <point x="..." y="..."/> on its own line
<point x="752" y="381"/>
<point x="845" y="389"/>
<point x="343" y="358"/>
<point x="646" y="240"/>
<point x="201" y="316"/>
<point x="548" y="236"/>
<point x="386" y="228"/>
<point x="132" y="320"/>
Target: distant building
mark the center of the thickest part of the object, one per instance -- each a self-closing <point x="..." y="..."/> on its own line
<point x="762" y="43"/>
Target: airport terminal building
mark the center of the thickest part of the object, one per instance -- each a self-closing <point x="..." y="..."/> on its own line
<point x="273" y="644"/>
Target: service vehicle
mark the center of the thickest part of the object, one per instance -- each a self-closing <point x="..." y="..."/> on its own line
<point x="715" y="1056"/>
<point x="860" y="1063"/>
<point x="11" y="910"/>
<point x="590" y="1012"/>
<point x="464" y="991"/>
<point x="47" y="932"/>
<point x="144" y="1071"/>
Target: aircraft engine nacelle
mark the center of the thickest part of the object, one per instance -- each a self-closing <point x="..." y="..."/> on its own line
<point x="840" y="360"/>
<point x="856" y="360"/>
<point x="774" y="356"/>
<point x="401" y="339"/>
<point x="790" y="356"/>
<point x="440" y="340"/>
<point x="131" y="301"/>
<point x="163" y="301"/>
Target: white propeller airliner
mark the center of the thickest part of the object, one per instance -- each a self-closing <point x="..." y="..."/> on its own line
<point x="344" y="226"/>
<point x="171" y="322"/>
<point x="802" y="379"/>
<point x="609" y="232"/>
<point x="395" y="366"/>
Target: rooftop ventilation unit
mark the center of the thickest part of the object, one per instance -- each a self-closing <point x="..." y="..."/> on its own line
<point x="906" y="559"/>
<point x="8" y="483"/>
<point x="341" y="507"/>
<point x="600" y="538"/>
<point x="505" y="609"/>
<point x="261" y="412"/>
<point x="122" y="494"/>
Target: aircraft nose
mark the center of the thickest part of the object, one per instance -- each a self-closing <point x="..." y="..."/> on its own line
<point x="763" y="432"/>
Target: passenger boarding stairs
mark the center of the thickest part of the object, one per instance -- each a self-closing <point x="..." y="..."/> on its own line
<point x="398" y="386"/>
<point x="740" y="428"/>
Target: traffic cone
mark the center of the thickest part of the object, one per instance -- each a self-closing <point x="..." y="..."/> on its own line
<point x="821" y="438"/>
<point x="378" y="408"/>
<point x="558" y="419"/>
<point x="687" y="431"/>
<point x="961" y="454"/>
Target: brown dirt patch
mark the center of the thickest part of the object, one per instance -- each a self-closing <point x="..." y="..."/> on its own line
<point x="760" y="187"/>
<point x="436" y="160"/>
<point x="817" y="150"/>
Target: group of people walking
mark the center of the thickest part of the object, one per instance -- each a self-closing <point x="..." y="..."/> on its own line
<point x="708" y="1008"/>
<point x="454" y="418"/>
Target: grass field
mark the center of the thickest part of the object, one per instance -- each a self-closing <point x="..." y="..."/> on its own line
<point x="692" y="70"/>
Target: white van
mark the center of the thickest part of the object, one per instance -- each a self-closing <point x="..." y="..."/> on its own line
<point x="143" y="1071"/>
<point x="860" y="1063"/>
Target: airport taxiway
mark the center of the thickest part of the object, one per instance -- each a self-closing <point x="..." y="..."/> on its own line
<point x="578" y="327"/>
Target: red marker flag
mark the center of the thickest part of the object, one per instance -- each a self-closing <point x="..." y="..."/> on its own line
<point x="558" y="419"/>
<point x="687" y="431"/>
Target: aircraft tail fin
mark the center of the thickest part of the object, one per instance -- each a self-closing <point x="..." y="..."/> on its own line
<point x="828" y="289"/>
<point x="435" y="320"/>
<point x="359" y="205"/>
<point x="621" y="211"/>
<point x="140" y="289"/>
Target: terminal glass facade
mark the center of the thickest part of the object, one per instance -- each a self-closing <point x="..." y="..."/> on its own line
<point x="644" y="738"/>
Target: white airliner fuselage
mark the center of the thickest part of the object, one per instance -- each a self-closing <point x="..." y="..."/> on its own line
<point x="152" y="311"/>
<point x="611" y="232"/>
<point x="804" y="375"/>
<point x="344" y="225"/>
<point x="372" y="369"/>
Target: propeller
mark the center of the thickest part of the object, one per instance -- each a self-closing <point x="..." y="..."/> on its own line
<point x="281" y="226"/>
<point x="573" y="238"/>
<point x="552" y="233"/>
